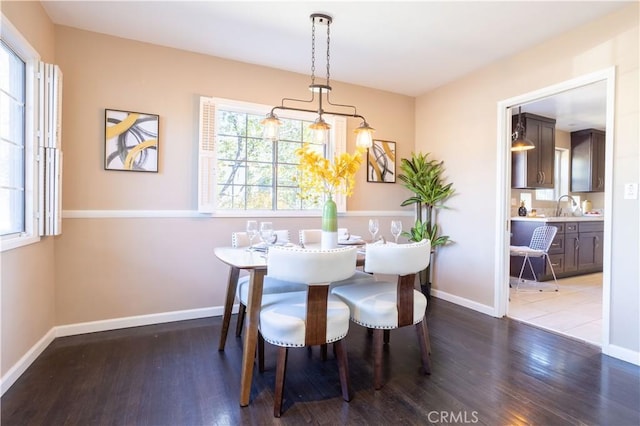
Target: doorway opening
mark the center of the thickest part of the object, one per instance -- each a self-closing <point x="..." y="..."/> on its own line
<point x="604" y="79"/>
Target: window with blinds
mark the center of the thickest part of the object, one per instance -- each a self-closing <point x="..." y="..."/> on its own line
<point x="239" y="171"/>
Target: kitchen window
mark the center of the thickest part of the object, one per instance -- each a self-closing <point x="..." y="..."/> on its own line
<point x="240" y="172"/>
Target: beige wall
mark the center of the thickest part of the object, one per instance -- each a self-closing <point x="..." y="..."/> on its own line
<point x="114" y="267"/>
<point x="151" y="265"/>
<point x="461" y="116"/>
<point x="107" y="72"/>
<point x="27" y="273"/>
<point x="110" y="268"/>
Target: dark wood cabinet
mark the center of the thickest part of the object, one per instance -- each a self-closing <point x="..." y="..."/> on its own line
<point x="571" y="250"/>
<point x="535" y="168"/>
<point x="575" y="250"/>
<point x="587" y="161"/>
<point x="590" y="253"/>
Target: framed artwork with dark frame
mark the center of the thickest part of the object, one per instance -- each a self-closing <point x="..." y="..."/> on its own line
<point x="381" y="162"/>
<point x="130" y="141"/>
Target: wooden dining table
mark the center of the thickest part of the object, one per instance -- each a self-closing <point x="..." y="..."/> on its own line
<point x="256" y="264"/>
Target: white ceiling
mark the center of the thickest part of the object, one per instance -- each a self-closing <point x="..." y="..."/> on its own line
<point x="401" y="47"/>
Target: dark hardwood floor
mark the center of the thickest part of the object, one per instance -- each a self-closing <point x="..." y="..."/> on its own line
<point x="484" y="371"/>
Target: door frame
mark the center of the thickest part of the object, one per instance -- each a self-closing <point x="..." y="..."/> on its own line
<point x="503" y="207"/>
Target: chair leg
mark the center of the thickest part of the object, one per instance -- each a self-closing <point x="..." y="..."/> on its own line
<point x="377" y="358"/>
<point x="553" y="272"/>
<point x="343" y="368"/>
<point x="535" y="277"/>
<point x="425" y="345"/>
<point x="323" y="352"/>
<point x="260" y="353"/>
<point x="524" y="260"/>
<point x="242" y="310"/>
<point x="387" y="334"/>
<point x="281" y="367"/>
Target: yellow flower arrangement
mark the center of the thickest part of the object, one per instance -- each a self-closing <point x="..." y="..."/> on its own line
<point x="319" y="176"/>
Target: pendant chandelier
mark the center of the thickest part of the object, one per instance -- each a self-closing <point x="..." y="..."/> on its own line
<point x="518" y="140"/>
<point x="320" y="93"/>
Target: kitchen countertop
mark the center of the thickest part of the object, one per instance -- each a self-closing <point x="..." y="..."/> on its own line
<point x="585" y="218"/>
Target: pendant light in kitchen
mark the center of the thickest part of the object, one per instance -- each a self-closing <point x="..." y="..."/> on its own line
<point x="518" y="140"/>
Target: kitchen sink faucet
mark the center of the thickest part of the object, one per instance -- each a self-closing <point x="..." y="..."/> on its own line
<point x="559" y="209"/>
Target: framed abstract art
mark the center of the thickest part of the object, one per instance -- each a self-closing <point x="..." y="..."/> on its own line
<point x="381" y="162"/>
<point x="131" y="141"/>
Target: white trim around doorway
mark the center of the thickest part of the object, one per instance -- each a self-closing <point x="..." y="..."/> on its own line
<point x="503" y="170"/>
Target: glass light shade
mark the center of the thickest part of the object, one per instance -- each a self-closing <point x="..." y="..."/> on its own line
<point x="364" y="135"/>
<point x="518" y="140"/>
<point x="320" y="130"/>
<point x="271" y="129"/>
<point x="522" y="145"/>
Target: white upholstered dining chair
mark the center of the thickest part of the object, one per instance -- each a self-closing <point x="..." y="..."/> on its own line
<point x="307" y="318"/>
<point x="310" y="238"/>
<point x="385" y="305"/>
<point x="270" y="285"/>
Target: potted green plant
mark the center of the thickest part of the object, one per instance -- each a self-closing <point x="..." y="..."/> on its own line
<point x="424" y="177"/>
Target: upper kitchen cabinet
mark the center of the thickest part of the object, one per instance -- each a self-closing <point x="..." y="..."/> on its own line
<point x="534" y="168"/>
<point x="587" y="161"/>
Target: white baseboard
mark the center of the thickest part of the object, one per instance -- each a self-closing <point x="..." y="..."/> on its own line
<point x="139" y="320"/>
<point x="613" y="351"/>
<point x="624" y="354"/>
<point x="23" y="363"/>
<point x="479" y="307"/>
<point x="94" y="326"/>
<point x="113" y="324"/>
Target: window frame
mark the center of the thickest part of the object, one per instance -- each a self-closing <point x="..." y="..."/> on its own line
<point x="336" y="146"/>
<point x="21" y="47"/>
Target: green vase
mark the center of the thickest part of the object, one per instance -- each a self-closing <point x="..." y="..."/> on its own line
<point x="329" y="225"/>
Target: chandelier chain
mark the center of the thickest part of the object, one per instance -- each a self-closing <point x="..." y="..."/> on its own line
<point x="319" y="94"/>
<point x="313" y="50"/>
<point x="328" y="50"/>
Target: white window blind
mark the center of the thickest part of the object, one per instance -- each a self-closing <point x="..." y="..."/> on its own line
<point x="207" y="156"/>
<point x="50" y="152"/>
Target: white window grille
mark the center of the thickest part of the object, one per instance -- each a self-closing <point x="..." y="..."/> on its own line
<point x="238" y="171"/>
<point x="30" y="142"/>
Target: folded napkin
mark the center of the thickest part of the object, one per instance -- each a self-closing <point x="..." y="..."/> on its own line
<point x="353" y="239"/>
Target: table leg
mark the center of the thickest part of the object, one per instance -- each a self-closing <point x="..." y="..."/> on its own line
<point x="251" y="333"/>
<point x="234" y="273"/>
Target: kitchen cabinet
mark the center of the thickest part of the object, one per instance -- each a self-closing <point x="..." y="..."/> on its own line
<point x="586" y="245"/>
<point x="587" y="161"/>
<point x="575" y="250"/>
<point x="535" y="168"/>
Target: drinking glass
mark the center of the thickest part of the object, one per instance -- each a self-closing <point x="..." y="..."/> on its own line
<point x="373" y="228"/>
<point x="252" y="231"/>
<point x="266" y="232"/>
<point x="396" y="229"/>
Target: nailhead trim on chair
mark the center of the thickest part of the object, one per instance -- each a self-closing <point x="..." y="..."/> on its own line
<point x="289" y="345"/>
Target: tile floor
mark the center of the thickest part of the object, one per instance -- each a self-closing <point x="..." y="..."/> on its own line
<point x="575" y="310"/>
